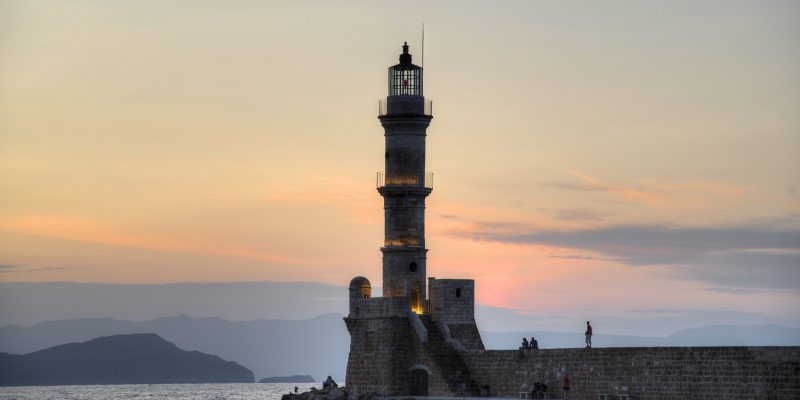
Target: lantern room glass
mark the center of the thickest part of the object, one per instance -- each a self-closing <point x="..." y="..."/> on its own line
<point x="405" y="80"/>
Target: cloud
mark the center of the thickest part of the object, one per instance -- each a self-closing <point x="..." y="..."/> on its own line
<point x="580" y="256"/>
<point x="705" y="317"/>
<point x="10" y="269"/>
<point x="354" y="197"/>
<point x="739" y="290"/>
<point x="653" y="191"/>
<point x="510" y="319"/>
<point x="581" y="214"/>
<point x="754" y="256"/>
<point x="593" y="184"/>
<point x="98" y="232"/>
<point x="746" y="271"/>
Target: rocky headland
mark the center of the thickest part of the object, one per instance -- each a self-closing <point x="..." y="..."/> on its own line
<point x="118" y="359"/>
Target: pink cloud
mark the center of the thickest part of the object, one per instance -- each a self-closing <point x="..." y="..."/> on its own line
<point x="91" y="231"/>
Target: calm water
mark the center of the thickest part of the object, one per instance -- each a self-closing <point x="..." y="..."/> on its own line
<point x="212" y="391"/>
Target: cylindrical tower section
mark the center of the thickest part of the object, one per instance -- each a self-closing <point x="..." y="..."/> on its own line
<point x="405" y="116"/>
<point x="360" y="288"/>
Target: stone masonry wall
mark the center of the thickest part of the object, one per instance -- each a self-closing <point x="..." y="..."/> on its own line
<point x="378" y="360"/>
<point x="466" y="334"/>
<point x="420" y="356"/>
<point x="379" y="307"/>
<point x="452" y="300"/>
<point x="644" y="373"/>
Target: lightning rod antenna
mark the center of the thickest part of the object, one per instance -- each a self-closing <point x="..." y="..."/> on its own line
<point x="423" y="45"/>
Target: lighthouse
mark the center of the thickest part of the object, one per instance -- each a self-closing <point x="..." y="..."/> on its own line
<point x="407" y="341"/>
<point x="404" y="184"/>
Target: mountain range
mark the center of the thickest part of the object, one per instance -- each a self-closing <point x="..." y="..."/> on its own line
<point x="119" y="359"/>
<point x="319" y="346"/>
<point x="29" y="303"/>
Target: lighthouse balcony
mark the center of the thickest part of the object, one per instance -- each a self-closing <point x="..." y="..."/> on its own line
<point x="405" y="105"/>
<point x="410" y="181"/>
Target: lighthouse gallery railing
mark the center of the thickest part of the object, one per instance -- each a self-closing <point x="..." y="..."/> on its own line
<point x="424" y="107"/>
<point x="403" y="180"/>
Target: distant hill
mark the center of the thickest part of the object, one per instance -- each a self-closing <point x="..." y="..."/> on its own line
<point x="28" y="303"/>
<point x="289" y="379"/>
<point x="317" y="346"/>
<point x="717" y="335"/>
<point x="120" y="359"/>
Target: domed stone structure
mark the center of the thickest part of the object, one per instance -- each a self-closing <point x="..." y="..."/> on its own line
<point x="360" y="288"/>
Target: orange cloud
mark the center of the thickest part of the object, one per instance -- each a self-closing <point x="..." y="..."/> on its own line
<point x="358" y="198"/>
<point x="89" y="231"/>
<point x="625" y="192"/>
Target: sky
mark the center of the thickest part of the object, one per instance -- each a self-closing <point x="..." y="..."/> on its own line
<point x="598" y="160"/>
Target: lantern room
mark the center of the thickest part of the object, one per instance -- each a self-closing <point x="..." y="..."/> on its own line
<point x="405" y="78"/>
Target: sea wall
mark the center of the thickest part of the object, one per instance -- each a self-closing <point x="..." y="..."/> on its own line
<point x="644" y="373"/>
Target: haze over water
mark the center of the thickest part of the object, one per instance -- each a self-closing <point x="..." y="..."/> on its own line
<point x="230" y="391"/>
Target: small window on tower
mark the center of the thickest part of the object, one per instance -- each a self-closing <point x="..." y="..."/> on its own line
<point x="412" y="267"/>
<point x="458" y="292"/>
<point x="386" y="155"/>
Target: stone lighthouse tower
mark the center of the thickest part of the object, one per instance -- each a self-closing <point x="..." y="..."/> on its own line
<point x="405" y="116"/>
<point x="407" y="341"/>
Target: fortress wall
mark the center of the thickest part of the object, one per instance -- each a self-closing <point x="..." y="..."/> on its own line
<point x="383" y="352"/>
<point x="645" y="373"/>
<point x="378" y="359"/>
<point x="379" y="307"/>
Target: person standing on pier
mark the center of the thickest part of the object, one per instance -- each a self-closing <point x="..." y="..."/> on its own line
<point x="588" y="335"/>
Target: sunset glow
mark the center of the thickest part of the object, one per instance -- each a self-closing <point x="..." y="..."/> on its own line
<point x="591" y="160"/>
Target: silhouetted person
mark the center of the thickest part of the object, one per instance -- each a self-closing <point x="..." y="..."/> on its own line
<point x="565" y="384"/>
<point x="534" y="344"/>
<point x="588" y="335"/>
<point x="523" y="347"/>
<point x="329" y="383"/>
<point x="295" y="390"/>
<point x="539" y="389"/>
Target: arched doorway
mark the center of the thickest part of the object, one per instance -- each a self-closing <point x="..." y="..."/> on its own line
<point x="419" y="382"/>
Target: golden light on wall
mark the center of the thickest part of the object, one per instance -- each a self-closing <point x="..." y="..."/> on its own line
<point x="401" y="242"/>
<point x="403" y="180"/>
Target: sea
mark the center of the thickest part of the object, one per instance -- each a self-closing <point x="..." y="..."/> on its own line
<point x="210" y="391"/>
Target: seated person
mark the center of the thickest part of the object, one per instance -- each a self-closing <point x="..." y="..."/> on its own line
<point x="524" y="344"/>
<point x="329" y="383"/>
<point x="534" y="343"/>
<point x="539" y="390"/>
